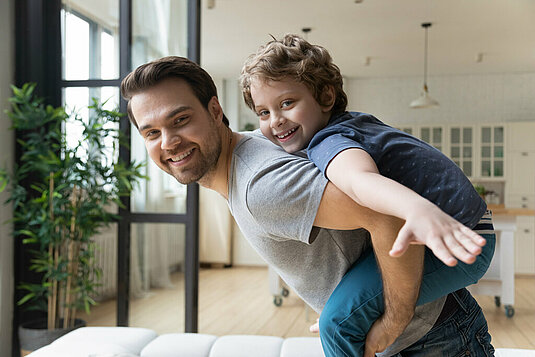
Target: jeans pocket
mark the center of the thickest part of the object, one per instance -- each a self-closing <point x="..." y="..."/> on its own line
<point x="483" y="338"/>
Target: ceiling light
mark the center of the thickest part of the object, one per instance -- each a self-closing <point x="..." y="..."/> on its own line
<point x="306" y="30"/>
<point x="424" y="100"/>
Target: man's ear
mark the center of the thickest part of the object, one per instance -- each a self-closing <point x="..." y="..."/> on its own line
<point x="215" y="109"/>
<point x="328" y="98"/>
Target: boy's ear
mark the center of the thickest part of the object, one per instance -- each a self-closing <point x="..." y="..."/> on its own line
<point x="327" y="99"/>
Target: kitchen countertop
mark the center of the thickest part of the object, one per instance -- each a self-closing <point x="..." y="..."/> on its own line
<point x="501" y="210"/>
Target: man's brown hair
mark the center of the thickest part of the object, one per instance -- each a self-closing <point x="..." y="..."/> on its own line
<point x="295" y="58"/>
<point x="149" y="74"/>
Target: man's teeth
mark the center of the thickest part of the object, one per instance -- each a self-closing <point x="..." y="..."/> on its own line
<point x="286" y="133"/>
<point x="178" y="158"/>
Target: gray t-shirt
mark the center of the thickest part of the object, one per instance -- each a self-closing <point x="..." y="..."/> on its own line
<point x="274" y="197"/>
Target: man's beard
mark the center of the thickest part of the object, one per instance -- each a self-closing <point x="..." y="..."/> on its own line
<point x="205" y="165"/>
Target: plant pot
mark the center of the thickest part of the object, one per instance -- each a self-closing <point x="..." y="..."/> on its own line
<point x="34" y="334"/>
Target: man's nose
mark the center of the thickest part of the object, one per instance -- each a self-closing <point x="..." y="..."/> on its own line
<point x="277" y="119"/>
<point x="170" y="140"/>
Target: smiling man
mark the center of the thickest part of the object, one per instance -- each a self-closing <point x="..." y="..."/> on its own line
<point x="296" y="220"/>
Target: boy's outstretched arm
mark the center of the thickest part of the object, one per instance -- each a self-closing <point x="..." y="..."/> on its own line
<point x="355" y="173"/>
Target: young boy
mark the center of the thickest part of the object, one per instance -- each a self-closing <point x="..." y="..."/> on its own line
<point x="296" y="91"/>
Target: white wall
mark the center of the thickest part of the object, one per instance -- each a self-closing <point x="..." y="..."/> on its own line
<point x="489" y="98"/>
<point x="7" y="53"/>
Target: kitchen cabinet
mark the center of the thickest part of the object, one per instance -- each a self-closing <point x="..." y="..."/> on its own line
<point x="433" y="135"/>
<point x="492" y="148"/>
<point x="525" y="245"/>
<point x="520" y="184"/>
<point x="520" y="191"/>
<point x="461" y="148"/>
<point x="521" y="136"/>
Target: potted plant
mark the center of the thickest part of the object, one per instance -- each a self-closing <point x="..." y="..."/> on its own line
<point x="62" y="195"/>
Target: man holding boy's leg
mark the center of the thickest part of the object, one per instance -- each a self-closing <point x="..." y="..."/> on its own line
<point x="278" y="200"/>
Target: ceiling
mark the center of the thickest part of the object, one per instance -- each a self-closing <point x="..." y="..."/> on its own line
<point x="389" y="32"/>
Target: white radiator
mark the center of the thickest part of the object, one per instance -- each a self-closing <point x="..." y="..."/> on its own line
<point x="156" y="250"/>
<point x="106" y="261"/>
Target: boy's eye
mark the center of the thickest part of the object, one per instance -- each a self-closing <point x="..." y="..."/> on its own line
<point x="262" y="113"/>
<point x="286" y="103"/>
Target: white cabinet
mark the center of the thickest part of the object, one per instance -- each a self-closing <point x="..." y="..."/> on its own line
<point x="521" y="136"/>
<point x="433" y="135"/>
<point x="525" y="245"/>
<point x="520" y="183"/>
<point x="520" y="191"/>
<point x="462" y="147"/>
<point x="491" y="151"/>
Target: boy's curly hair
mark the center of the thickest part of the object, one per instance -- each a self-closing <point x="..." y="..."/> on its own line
<point x="294" y="57"/>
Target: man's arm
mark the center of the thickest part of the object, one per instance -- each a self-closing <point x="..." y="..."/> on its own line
<point x="401" y="276"/>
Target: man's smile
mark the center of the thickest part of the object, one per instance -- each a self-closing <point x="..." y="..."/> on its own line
<point x="181" y="157"/>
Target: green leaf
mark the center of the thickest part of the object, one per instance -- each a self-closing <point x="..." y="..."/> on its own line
<point x="25" y="298"/>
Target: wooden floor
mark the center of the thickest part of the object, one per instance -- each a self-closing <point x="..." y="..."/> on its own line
<point x="238" y="301"/>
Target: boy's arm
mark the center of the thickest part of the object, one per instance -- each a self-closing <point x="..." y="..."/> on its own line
<point x="401" y="276"/>
<point x="355" y="173"/>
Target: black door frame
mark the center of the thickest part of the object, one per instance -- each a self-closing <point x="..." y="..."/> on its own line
<point x="38" y="59"/>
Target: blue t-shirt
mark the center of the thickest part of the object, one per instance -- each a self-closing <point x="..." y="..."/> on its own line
<point x="402" y="158"/>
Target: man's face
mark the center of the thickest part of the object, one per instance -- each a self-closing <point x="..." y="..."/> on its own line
<point x="181" y="136"/>
<point x="288" y="112"/>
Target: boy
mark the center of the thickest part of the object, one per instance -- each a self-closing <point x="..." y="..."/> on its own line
<point x="296" y="91"/>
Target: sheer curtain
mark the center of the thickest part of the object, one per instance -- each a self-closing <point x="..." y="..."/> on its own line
<point x="156" y="33"/>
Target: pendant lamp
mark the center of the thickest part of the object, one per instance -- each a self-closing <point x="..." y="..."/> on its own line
<point x="424" y="100"/>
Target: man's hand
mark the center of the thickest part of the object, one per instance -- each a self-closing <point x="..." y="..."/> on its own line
<point x="445" y="236"/>
<point x="381" y="335"/>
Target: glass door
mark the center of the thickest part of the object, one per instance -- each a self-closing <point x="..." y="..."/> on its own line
<point x="151" y="253"/>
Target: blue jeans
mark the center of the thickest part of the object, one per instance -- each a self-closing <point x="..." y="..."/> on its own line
<point x="464" y="333"/>
<point x="358" y="301"/>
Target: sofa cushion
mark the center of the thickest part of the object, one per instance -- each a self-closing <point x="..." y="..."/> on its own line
<point x="302" y="347"/>
<point x="514" y="352"/>
<point x="179" y="345"/>
<point x="99" y="341"/>
<point x="247" y="346"/>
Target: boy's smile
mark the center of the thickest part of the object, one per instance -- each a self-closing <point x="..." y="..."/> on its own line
<point x="289" y="114"/>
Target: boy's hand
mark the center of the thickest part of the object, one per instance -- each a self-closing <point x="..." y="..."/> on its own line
<point x="445" y="236"/>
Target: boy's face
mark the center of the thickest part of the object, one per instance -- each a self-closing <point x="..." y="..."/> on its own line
<point x="289" y="114"/>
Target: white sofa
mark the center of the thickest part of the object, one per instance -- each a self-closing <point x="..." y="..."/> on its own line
<point x="134" y="342"/>
<point x="141" y="342"/>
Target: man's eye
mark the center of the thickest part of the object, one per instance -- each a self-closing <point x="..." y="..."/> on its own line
<point x="151" y="133"/>
<point x="180" y="120"/>
<point x="262" y="113"/>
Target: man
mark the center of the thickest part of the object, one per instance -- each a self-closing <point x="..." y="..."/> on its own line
<point x="298" y="222"/>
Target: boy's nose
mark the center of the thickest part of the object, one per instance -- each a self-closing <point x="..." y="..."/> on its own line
<point x="277" y="120"/>
<point x="170" y="140"/>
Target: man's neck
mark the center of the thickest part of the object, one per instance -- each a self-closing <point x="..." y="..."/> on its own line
<point x="219" y="178"/>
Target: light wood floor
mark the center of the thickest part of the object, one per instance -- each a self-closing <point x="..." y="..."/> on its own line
<point x="238" y="301"/>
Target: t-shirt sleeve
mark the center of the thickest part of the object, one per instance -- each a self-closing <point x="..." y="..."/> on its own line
<point x="284" y="196"/>
<point x="326" y="145"/>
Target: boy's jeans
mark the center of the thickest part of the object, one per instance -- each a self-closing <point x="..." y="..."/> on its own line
<point x="358" y="300"/>
<point x="464" y="333"/>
